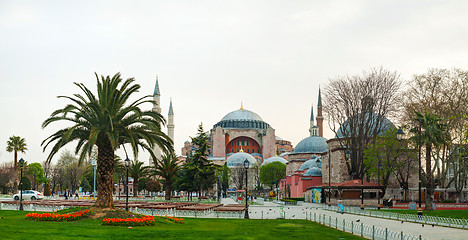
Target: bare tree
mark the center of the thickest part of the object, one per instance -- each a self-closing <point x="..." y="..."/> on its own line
<point x="238" y="177"/>
<point x="358" y="108"/>
<point x="445" y="93"/>
<point x="7" y="177"/>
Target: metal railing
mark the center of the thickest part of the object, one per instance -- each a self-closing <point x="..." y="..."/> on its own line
<point x="432" y="220"/>
<point x="360" y="229"/>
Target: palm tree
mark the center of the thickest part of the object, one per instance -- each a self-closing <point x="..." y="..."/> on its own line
<point x="16" y="144"/>
<point x="433" y="133"/>
<point x="104" y="120"/>
<point x="166" y="168"/>
<point x="137" y="171"/>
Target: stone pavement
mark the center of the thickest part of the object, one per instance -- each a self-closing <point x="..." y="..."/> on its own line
<point x="272" y="211"/>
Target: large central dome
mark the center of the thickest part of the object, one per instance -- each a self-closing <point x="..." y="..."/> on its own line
<point x="242" y="118"/>
<point x="242" y="114"/>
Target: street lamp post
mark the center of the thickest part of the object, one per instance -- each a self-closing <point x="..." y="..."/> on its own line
<point x="329" y="177"/>
<point x="127" y="165"/>
<point x="120" y="176"/>
<point x="399" y="136"/>
<point x="94" y="163"/>
<point x="420" y="213"/>
<point x="21" y="163"/>
<point x="246" y="167"/>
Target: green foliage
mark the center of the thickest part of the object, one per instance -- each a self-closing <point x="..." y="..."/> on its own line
<point x="142" y="183"/>
<point x="225" y="175"/>
<point x="153" y="186"/>
<point x="107" y="120"/>
<point x="36" y="171"/>
<point x="86" y="186"/>
<point x="25" y="184"/>
<point x="194" y="228"/>
<point x="47" y="189"/>
<point x="16" y="144"/>
<point x="272" y="173"/>
<point x="204" y="171"/>
<point x="166" y="168"/>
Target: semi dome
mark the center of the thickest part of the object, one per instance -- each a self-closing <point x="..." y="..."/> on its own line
<point x="315" y="161"/>
<point x="377" y="121"/>
<point x="242" y="114"/>
<point x="275" y="159"/>
<point x="312" y="144"/>
<point x="313" y="172"/>
<point x="237" y="160"/>
<point x="242" y="118"/>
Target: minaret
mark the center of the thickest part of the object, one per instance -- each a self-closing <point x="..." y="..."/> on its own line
<point x="319" y="115"/>
<point x="311" y="121"/>
<point x="156" y="108"/>
<point x="170" y="122"/>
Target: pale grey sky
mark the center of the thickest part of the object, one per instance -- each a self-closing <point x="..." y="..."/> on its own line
<point x="211" y="55"/>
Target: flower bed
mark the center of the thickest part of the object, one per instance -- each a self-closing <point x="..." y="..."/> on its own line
<point x="174" y="220"/>
<point x="142" y="221"/>
<point x="58" y="217"/>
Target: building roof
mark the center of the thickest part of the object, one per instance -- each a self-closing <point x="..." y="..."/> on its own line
<point x="313" y="172"/>
<point x="156" y="88"/>
<point x="313" y="162"/>
<point x="242" y="114"/>
<point x="237" y="159"/>
<point x="377" y="122"/>
<point x="312" y="144"/>
<point x="171" y="112"/>
<point x="275" y="159"/>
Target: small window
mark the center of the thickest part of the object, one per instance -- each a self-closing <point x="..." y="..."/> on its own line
<point x="248" y="150"/>
<point x="253" y="144"/>
<point x="237" y="150"/>
<point x="232" y="144"/>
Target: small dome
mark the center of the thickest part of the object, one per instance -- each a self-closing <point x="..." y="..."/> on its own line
<point x="315" y="161"/>
<point x="275" y="159"/>
<point x="313" y="172"/>
<point x="237" y="160"/>
<point x="312" y="144"/>
<point x="242" y="114"/>
<point x="384" y="123"/>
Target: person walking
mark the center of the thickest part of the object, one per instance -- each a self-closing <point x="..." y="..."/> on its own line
<point x="76" y="194"/>
<point x="66" y="194"/>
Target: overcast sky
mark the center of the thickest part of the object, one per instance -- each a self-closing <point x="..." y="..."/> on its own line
<point x="211" y="55"/>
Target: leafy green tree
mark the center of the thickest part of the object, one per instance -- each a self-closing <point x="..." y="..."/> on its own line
<point x="225" y="175"/>
<point x="86" y="186"/>
<point x="26" y="184"/>
<point x="142" y="183"/>
<point x="107" y="121"/>
<point x="36" y="172"/>
<point x="388" y="156"/>
<point x="272" y="173"/>
<point x="137" y="171"/>
<point x="166" y="168"/>
<point x="204" y="170"/>
<point x="153" y="186"/>
<point x="16" y="144"/>
<point x="433" y="133"/>
<point x="47" y="189"/>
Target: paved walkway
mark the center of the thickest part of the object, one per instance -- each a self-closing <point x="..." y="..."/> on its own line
<point x="272" y="211"/>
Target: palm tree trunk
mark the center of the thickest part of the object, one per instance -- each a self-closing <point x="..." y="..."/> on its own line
<point x="429" y="189"/>
<point x="135" y="187"/>
<point x="16" y="160"/>
<point x="105" y="172"/>
<point x="168" y="190"/>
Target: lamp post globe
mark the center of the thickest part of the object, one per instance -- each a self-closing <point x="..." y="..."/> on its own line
<point x="400" y="134"/>
<point x="246" y="167"/>
<point x="127" y="165"/>
<point x="21" y="164"/>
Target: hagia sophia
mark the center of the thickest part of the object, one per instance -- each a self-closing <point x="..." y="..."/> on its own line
<point x="315" y="168"/>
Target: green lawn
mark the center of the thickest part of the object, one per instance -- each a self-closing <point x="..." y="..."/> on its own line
<point x="440" y="213"/>
<point x="13" y="225"/>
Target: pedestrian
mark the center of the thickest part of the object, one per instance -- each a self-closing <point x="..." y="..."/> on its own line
<point x="76" y="194"/>
<point x="66" y="194"/>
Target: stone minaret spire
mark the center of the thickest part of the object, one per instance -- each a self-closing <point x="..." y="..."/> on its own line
<point x="170" y="122"/>
<point x="311" y="128"/>
<point x="319" y="115"/>
<point x="156" y="108"/>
